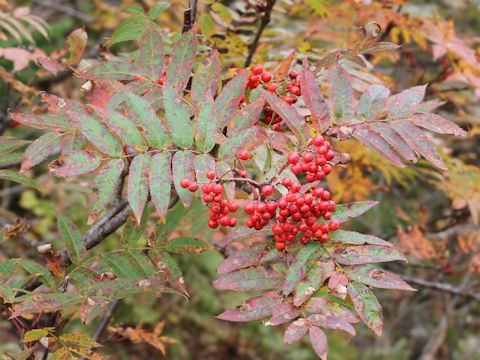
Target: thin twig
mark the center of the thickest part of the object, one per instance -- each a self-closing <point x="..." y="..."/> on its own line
<point x="189" y="16"/>
<point x="108" y="316"/>
<point x="265" y="20"/>
<point x="441" y="287"/>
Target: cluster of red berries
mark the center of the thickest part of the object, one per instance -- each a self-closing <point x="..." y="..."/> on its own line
<point x="313" y="163"/>
<point x="296" y="212"/>
<point x="220" y="207"/>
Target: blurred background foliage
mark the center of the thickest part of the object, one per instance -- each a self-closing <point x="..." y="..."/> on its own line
<point x="433" y="216"/>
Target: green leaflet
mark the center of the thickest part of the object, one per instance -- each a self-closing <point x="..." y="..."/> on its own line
<point x="178" y="118"/>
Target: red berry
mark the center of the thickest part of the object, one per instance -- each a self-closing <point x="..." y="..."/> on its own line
<point x="244" y="155"/>
<point x="293" y="74"/>
<point x="184" y="183"/>
<point x="280" y="245"/>
<point x="278" y="127"/>
<point x="232" y="222"/>
<point x="242" y="99"/>
<point x="210" y="174"/>
<point x="261" y="207"/>
<point x="327" y="169"/>
<point x="291" y="197"/>
<point x="266" y="77"/>
<point x="294" y="89"/>
<point x="318" y="140"/>
<point x="308" y="157"/>
<point x="329" y="155"/>
<point x="293" y="158"/>
<point x="257" y="69"/>
<point x="253" y="78"/>
<point x="268" y="111"/>
<point x="206" y="188"/>
<point x="295" y="187"/>
<point x="212" y="224"/>
<point x="286" y="182"/>
<point x="325" y="195"/>
<point x="193" y="186"/>
<point x="243" y="173"/>
<point x="253" y="85"/>
<point x="249" y="208"/>
<point x="207" y="198"/>
<point x="322" y="150"/>
<point x="288" y="99"/>
<point x="317" y="192"/>
<point x="271" y="206"/>
<point x="217" y="189"/>
<point x="233" y="206"/>
<point x="320" y="161"/>
<point x="334" y="225"/>
<point x="324" y="238"/>
<point x="224" y="220"/>
<point x="217" y="198"/>
<point x="250" y="223"/>
<point x="296" y="169"/>
<point x="267" y="190"/>
<point x="138" y="78"/>
<point x="282" y="203"/>
<point x="327" y="215"/>
<point x="272" y="87"/>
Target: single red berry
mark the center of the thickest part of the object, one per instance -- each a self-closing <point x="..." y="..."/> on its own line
<point x="282" y="203"/>
<point x="317" y="192"/>
<point x="324" y="238"/>
<point x="267" y="190"/>
<point x="250" y="223"/>
<point x="243" y="173"/>
<point x="294" y="89"/>
<point x="288" y="99"/>
<point x="193" y="186"/>
<point x="161" y="80"/>
<point x="334" y="225"/>
<point x="272" y="87"/>
<point x="212" y="224"/>
<point x="257" y="69"/>
<point x="286" y="182"/>
<point x="224" y="220"/>
<point x="217" y="198"/>
<point x="325" y="195"/>
<point x="322" y="150"/>
<point x="296" y="169"/>
<point x="278" y="127"/>
<point x="320" y="160"/>
<point x="293" y="74"/>
<point x="266" y="77"/>
<point x="249" y="208"/>
<point x="318" y="140"/>
<point x="242" y="99"/>
<point x="224" y="203"/>
<point x="293" y="158"/>
<point x="329" y="155"/>
<point x="244" y="155"/>
<point x="138" y="78"/>
<point x="253" y="78"/>
<point x="261" y="207"/>
<point x="268" y="111"/>
<point x="254" y="84"/>
<point x="319" y="175"/>
<point x="295" y="187"/>
<point x="277" y="229"/>
<point x="207" y="188"/>
<point x="184" y="183"/>
<point x="207" y="198"/>
<point x="232" y="222"/>
<point x="291" y="197"/>
<point x="327" y="215"/>
<point x="327" y="169"/>
<point x="233" y="206"/>
<point x="210" y="174"/>
<point x="308" y="157"/>
<point x="217" y="189"/>
<point x="271" y="206"/>
<point x="216" y="208"/>
<point x="280" y="245"/>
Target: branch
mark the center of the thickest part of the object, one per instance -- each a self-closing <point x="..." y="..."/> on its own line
<point x="263" y="24"/>
<point x="189" y="16"/>
<point x="94" y="236"/>
<point x="65" y="9"/>
<point x="442" y="287"/>
<point x="108" y="316"/>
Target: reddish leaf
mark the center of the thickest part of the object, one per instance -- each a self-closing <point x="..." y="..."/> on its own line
<point x="437" y="124"/>
<point x="295" y="331"/>
<point x="418" y="141"/>
<point x="72" y="141"/>
<point x="182" y="167"/>
<point x="367" y="306"/>
<point x="229" y="98"/>
<point x="316" y="276"/>
<point x="355" y="238"/>
<point x="288" y="113"/>
<point x="242" y="259"/>
<point x="342" y="94"/>
<point x="98" y="134"/>
<point x="181" y="61"/>
<point x="378" y="47"/>
<point x="151" y="54"/>
<point x="256" y="278"/>
<point x="372" y="101"/>
<point x="282" y="313"/>
<point x="123" y="127"/>
<point x="303" y="261"/>
<point x="186" y="245"/>
<point x="313" y="99"/>
<point x="207" y="124"/>
<point x="363" y="254"/>
<point x="106" y="183"/>
<point x="178" y="118"/>
<point x="161" y="182"/>
<point x="374" y="141"/>
<point x="50" y="122"/>
<point x="76" y="45"/>
<point x="404" y="103"/>
<point x="395" y="140"/>
<point x="331" y="322"/>
<point x="284" y="66"/>
<point x="10" y="143"/>
<point x="346" y="212"/>
<point x="233" y="145"/>
<point x="118" y="70"/>
<point x="138" y="184"/>
<point x="73" y="239"/>
<point x="206" y="78"/>
<point x="76" y="163"/>
<point x="247" y="116"/>
<point x="329" y="308"/>
<point x="39" y="150"/>
<point x="369" y="275"/>
<point x="254" y="308"/>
